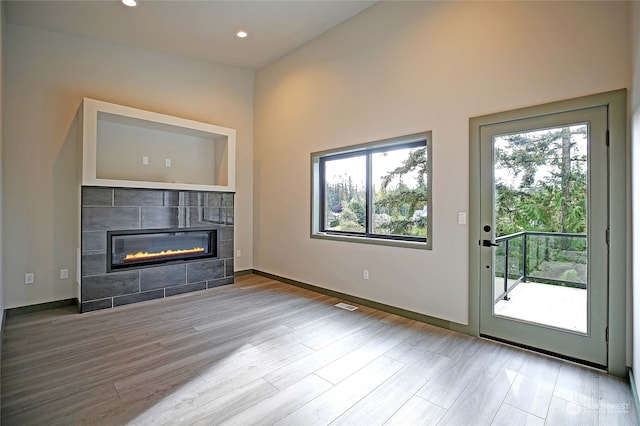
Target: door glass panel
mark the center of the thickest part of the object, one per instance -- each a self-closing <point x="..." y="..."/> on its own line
<point x="540" y="196"/>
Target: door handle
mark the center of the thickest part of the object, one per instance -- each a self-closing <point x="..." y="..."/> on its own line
<point x="489" y="243"/>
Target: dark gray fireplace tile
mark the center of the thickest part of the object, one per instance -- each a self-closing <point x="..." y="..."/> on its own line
<point x="205" y="216"/>
<point x="138" y="297"/>
<point x="208" y="199"/>
<point x="185" y="200"/>
<point x="96" y="196"/>
<point x="191" y="199"/>
<point x="228" y="269"/>
<point x="212" y="214"/>
<point x="105" y="218"/>
<point x="205" y="271"/>
<point x="226" y="249"/>
<point x="161" y="217"/>
<point x="171" y="198"/>
<point x="228" y="216"/>
<point x="213" y="199"/>
<point x="227" y="199"/>
<point x="94" y="241"/>
<point x="138" y="197"/>
<point x="163" y="276"/>
<point x="195" y="215"/>
<point x="96" y="305"/>
<point x="172" y="291"/>
<point x="223" y="216"/>
<point x="226" y="233"/>
<point x="220" y="282"/>
<point x="108" y="285"/>
<point x="94" y="264"/>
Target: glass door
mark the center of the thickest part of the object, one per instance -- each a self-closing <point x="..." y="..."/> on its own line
<point x="544" y="233"/>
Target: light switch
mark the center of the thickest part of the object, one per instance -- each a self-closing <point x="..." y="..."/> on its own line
<point x="462" y="218"/>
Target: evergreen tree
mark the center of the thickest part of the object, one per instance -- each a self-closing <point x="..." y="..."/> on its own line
<point x="553" y="201"/>
<point x="401" y="202"/>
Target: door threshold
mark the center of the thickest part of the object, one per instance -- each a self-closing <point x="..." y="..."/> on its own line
<point x="547" y="353"/>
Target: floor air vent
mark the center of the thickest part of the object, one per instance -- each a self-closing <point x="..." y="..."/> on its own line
<point x="342" y="305"/>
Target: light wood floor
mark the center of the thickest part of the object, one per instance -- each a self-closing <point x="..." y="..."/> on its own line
<point x="262" y="352"/>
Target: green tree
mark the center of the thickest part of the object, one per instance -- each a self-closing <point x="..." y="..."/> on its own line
<point x="342" y="194"/>
<point x="399" y="201"/>
<point x="551" y="191"/>
<point x="349" y="221"/>
<point x="357" y="206"/>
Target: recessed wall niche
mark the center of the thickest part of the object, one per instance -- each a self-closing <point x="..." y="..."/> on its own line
<point x="129" y="147"/>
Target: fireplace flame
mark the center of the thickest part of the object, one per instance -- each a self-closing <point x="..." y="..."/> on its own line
<point x="165" y="253"/>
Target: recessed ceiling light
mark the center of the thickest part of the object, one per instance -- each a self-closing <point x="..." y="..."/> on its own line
<point x="242" y="34"/>
<point x="130" y="3"/>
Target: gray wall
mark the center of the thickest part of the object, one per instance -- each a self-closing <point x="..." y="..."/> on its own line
<point x="634" y="114"/>
<point x="2" y="40"/>
<point x="2" y="303"/>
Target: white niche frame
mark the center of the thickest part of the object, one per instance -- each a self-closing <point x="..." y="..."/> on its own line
<point x="222" y="151"/>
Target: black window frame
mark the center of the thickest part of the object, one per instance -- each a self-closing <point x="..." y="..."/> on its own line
<point x="421" y="140"/>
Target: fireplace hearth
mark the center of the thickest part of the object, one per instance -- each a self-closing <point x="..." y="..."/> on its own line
<point x="139" y="248"/>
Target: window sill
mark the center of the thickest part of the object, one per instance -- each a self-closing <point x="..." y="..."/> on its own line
<point x="373" y="241"/>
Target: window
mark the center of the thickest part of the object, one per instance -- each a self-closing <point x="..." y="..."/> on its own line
<point x="378" y="192"/>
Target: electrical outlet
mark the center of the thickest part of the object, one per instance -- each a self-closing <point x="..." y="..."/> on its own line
<point x="167" y="162"/>
<point x="365" y="274"/>
<point x="29" y="278"/>
<point x="238" y="253"/>
<point x="64" y="274"/>
<point x="145" y="160"/>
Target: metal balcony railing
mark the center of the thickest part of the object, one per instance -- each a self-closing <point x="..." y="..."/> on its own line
<point x="546" y="257"/>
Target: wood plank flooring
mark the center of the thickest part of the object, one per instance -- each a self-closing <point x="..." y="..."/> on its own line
<point x="263" y="353"/>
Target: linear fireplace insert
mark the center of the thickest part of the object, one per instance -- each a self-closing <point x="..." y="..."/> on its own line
<point x="147" y="247"/>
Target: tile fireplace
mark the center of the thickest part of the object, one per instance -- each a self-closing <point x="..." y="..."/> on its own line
<point x="142" y="244"/>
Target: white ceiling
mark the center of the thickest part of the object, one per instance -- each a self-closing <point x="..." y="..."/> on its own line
<point x="196" y="29"/>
